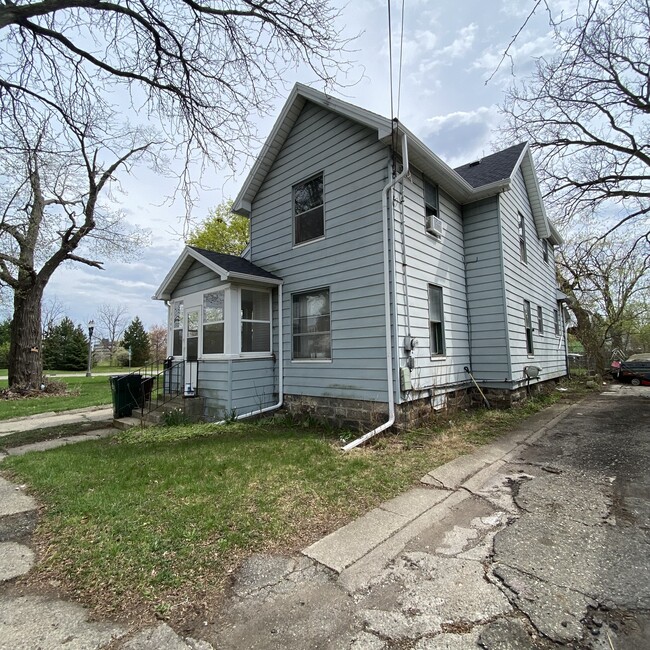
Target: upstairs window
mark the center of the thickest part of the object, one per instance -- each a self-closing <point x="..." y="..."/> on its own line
<point x="255" y="321"/>
<point x="436" y="321"/>
<point x="522" y="239"/>
<point x="545" y="250"/>
<point x="213" y="322"/>
<point x="528" y="324"/>
<point x="433" y="224"/>
<point x="556" y="322"/>
<point x="311" y="325"/>
<point x="308" y="210"/>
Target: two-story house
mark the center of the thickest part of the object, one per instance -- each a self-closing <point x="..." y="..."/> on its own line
<point x="379" y="282"/>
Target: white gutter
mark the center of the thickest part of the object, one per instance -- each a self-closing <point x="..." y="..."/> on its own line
<point x="280" y="370"/>
<point x="389" y="345"/>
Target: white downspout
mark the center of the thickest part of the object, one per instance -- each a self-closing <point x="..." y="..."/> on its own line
<point x="386" y="214"/>
<point x="280" y="369"/>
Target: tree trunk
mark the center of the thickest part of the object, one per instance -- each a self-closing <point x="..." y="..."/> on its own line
<point x="25" y="355"/>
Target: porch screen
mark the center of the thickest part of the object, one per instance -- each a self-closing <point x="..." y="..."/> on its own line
<point x="213" y="317"/>
<point x="255" y="321"/>
<point x="177" y="329"/>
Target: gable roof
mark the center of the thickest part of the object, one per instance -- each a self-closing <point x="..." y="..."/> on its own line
<point x="227" y="267"/>
<point x="464" y="186"/>
<point x="495" y="167"/>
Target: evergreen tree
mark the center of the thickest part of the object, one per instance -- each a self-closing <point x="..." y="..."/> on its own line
<point x="136" y="339"/>
<point x="65" y="347"/>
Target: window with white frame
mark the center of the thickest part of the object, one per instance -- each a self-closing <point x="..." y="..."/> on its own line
<point x="214" y="322"/>
<point x="436" y="321"/>
<point x="522" y="239"/>
<point x="432" y="223"/>
<point x="540" y="320"/>
<point x="556" y="322"/>
<point x="528" y="324"/>
<point x="255" y="321"/>
<point x="308" y="210"/>
<point x="311" y="325"/>
<point x="177" y="328"/>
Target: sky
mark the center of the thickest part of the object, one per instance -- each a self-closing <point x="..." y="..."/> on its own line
<point x="450" y="49"/>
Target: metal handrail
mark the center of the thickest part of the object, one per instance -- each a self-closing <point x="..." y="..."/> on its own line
<point x="160" y="384"/>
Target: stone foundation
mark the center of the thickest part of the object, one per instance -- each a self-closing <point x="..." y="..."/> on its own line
<point x="363" y="416"/>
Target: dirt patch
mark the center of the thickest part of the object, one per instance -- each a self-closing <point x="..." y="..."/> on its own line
<point x="47" y="389"/>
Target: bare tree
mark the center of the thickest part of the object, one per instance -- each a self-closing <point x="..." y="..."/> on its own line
<point x="607" y="282"/>
<point x="158" y="342"/>
<point x="111" y="322"/>
<point x="586" y="113"/>
<point x="52" y="310"/>
<point x="52" y="178"/>
<point x="201" y="66"/>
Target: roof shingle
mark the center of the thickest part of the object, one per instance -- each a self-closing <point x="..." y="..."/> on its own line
<point x="234" y="263"/>
<point x="495" y="167"/>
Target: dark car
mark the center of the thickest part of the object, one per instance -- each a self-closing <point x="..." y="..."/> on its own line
<point x="635" y="370"/>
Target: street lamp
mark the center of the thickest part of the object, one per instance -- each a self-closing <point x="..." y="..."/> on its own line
<point x="91" y="329"/>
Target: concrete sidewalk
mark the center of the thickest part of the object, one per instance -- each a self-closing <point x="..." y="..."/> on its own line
<point x="102" y="416"/>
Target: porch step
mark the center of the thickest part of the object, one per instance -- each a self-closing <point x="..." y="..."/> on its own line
<point x="123" y="424"/>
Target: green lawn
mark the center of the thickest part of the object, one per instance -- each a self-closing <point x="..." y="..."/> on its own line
<point x="82" y="391"/>
<point x="155" y="518"/>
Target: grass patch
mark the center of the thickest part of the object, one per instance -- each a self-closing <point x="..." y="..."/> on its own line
<point x="82" y="392"/>
<point x="154" y="519"/>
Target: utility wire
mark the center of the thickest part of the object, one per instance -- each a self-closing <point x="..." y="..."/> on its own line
<point x="390" y="60"/>
<point x="401" y="53"/>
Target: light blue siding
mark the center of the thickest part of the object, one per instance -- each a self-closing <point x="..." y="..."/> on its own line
<point x="348" y="259"/>
<point x="533" y="281"/>
<point x="485" y="290"/>
<point x="237" y="385"/>
<point x="430" y="260"/>
<point x="197" y="278"/>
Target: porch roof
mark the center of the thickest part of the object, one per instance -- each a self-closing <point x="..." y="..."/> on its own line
<point x="227" y="267"/>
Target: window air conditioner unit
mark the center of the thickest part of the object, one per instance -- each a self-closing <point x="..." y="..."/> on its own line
<point x="434" y="225"/>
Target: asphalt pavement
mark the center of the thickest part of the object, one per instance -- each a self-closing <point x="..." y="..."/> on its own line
<point x="539" y="540"/>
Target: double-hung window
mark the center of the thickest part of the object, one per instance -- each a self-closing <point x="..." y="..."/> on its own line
<point x="311" y="325"/>
<point x="540" y="320"/>
<point x="213" y="322"/>
<point x="255" y="321"/>
<point x="436" y="321"/>
<point x="556" y="322"/>
<point x="528" y="324"/>
<point x="545" y="250"/>
<point x="308" y="210"/>
<point x="522" y="239"/>
<point x="432" y="223"/>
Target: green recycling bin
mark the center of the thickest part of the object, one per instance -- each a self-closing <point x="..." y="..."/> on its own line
<point x="127" y="394"/>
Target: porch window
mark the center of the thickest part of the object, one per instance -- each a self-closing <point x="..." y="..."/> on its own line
<point x="192" y="337"/>
<point x="436" y="321"/>
<point x="177" y="329"/>
<point x="213" y="322"/>
<point x="311" y="325"/>
<point x="255" y="321"/>
<point x="528" y="323"/>
<point x="308" y="210"/>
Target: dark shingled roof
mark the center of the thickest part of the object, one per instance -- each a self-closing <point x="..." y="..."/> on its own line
<point x="496" y="167"/>
<point x="234" y="263"/>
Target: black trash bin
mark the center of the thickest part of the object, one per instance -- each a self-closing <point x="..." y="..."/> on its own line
<point x="127" y="394"/>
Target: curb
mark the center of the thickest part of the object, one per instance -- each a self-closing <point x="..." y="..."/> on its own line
<point x="366" y="545"/>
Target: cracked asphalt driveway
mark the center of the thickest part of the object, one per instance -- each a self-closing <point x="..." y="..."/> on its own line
<point x="546" y="547"/>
